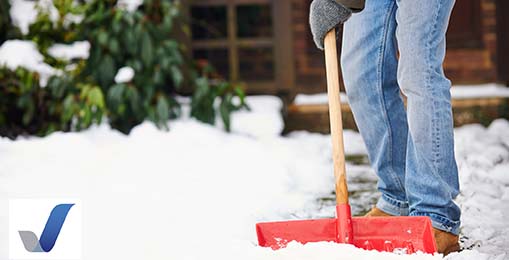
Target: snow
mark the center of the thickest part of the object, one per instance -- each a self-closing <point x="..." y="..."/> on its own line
<point x="264" y="119"/>
<point x="76" y="50"/>
<point x="479" y="91"/>
<point x="457" y="92"/>
<point x="316" y="99"/>
<point x="129" y="5"/>
<point x="483" y="160"/>
<point x="24" y="12"/>
<point x="17" y="53"/>
<point x="124" y="75"/>
<point x="196" y="192"/>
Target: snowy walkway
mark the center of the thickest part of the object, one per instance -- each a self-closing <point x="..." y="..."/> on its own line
<point x="196" y="192"/>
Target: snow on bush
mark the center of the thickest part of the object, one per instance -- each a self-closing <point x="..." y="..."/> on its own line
<point x="24" y="12"/>
<point x="76" y="50"/>
<point x="129" y="5"/>
<point x="17" y="53"/>
<point x="124" y="75"/>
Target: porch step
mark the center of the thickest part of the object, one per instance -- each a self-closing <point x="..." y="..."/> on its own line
<point x="315" y="117"/>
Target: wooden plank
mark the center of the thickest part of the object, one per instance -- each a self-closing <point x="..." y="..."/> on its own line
<point x="315" y="118"/>
<point x="456" y="103"/>
<point x="210" y="44"/>
<point x="481" y="102"/>
<point x="318" y="108"/>
<point x="503" y="41"/>
<point x="225" y="2"/>
<point x="232" y="37"/>
<point x="284" y="60"/>
<point x="244" y="42"/>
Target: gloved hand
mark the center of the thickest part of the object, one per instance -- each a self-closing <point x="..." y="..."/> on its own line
<point x="324" y="15"/>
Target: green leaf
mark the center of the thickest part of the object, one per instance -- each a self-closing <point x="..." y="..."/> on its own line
<point x="147" y="49"/>
<point x="68" y="108"/>
<point x="95" y="97"/>
<point x="176" y="75"/>
<point x="224" y="111"/>
<point x="86" y="117"/>
<point x="115" y="94"/>
<point x="134" y="101"/>
<point x="102" y="38"/>
<point x="163" y="112"/>
<point x="114" y="46"/>
<point x="130" y="42"/>
<point x="202" y="89"/>
<point x="106" y="70"/>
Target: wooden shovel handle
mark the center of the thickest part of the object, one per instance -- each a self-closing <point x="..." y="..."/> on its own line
<point x="336" y="125"/>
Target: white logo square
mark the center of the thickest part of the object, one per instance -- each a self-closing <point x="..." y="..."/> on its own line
<point x="45" y="229"/>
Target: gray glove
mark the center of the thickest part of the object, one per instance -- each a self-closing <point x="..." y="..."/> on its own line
<point x="324" y="15"/>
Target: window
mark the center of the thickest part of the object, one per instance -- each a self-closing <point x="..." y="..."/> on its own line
<point x="244" y="41"/>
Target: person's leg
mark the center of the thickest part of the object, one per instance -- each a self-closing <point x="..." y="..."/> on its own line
<point x="431" y="172"/>
<point x="369" y="66"/>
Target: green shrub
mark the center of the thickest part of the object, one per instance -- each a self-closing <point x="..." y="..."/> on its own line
<point x="26" y="108"/>
<point x="143" y="40"/>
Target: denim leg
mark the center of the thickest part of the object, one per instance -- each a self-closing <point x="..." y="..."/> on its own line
<point x="369" y="67"/>
<point x="431" y="172"/>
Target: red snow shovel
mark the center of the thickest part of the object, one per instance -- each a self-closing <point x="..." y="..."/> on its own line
<point x="401" y="234"/>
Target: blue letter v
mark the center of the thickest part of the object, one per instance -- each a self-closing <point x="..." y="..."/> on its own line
<point x="53" y="226"/>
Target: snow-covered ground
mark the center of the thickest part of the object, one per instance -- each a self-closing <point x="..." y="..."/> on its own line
<point x="196" y="192"/>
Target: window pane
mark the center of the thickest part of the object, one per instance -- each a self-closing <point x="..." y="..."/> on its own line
<point x="209" y="22"/>
<point x="254" y="21"/>
<point x="217" y="58"/>
<point x="256" y="64"/>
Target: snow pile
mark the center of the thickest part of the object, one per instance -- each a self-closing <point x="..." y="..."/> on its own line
<point x="76" y="50"/>
<point x="483" y="161"/>
<point x="263" y="119"/>
<point x="16" y="53"/>
<point x="196" y="192"/>
<point x="124" y="75"/>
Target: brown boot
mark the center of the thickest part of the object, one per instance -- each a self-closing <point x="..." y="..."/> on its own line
<point x="446" y="242"/>
<point x="376" y="212"/>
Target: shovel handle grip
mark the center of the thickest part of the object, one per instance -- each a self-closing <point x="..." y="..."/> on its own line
<point x="336" y="125"/>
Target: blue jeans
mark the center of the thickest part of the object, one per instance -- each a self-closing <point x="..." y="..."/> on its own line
<point x="412" y="150"/>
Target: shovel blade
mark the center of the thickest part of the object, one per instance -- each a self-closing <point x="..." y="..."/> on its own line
<point x="391" y="234"/>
